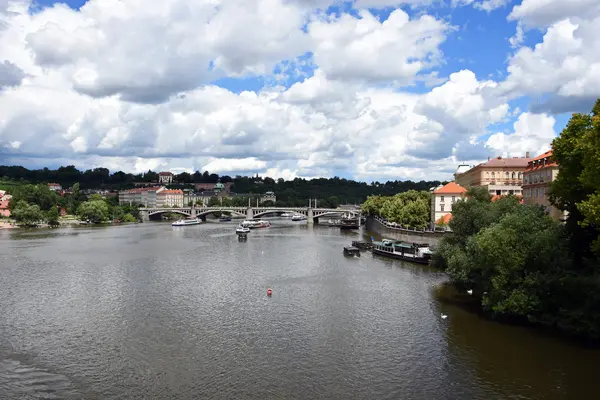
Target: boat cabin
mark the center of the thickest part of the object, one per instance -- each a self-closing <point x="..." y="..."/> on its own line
<point x="351" y="251"/>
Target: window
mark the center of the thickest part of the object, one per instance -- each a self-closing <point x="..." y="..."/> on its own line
<point x="442" y="207"/>
<point x="453" y="199"/>
<point x="520" y="175"/>
<point x="514" y="176"/>
<point x="506" y="175"/>
<point x="493" y="175"/>
<point x="442" y="199"/>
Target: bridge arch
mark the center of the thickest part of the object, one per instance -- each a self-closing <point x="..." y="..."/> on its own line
<point x="204" y="213"/>
<point x="169" y="211"/>
<point x="278" y="210"/>
<point x="328" y="214"/>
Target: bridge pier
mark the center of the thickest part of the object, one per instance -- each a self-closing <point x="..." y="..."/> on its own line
<point x="144" y="216"/>
<point x="310" y="216"/>
<point x="249" y="213"/>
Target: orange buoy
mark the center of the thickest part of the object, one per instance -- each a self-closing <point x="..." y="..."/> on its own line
<point x="269" y="292"/>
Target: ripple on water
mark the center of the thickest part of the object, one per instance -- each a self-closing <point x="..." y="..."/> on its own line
<point x="21" y="381"/>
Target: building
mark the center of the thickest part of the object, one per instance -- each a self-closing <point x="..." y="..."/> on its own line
<point x="147" y="197"/>
<point x="170" y="198"/>
<point x="55" y="187"/>
<point x="540" y="172"/>
<point x="165" y="178"/>
<point x="500" y="175"/>
<point x="217" y="187"/>
<point x="442" y="199"/>
<point x="4" y="211"/>
<point x="268" y="196"/>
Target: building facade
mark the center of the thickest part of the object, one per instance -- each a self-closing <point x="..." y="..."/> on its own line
<point x="217" y="187"/>
<point x="4" y="211"/>
<point x="147" y="197"/>
<point x="442" y="200"/>
<point x="170" y="198"/>
<point x="501" y="176"/>
<point x="540" y="172"/>
<point x="268" y="196"/>
<point x="55" y="187"/>
<point x="165" y="178"/>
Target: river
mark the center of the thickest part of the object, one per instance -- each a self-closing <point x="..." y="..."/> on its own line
<point x="152" y="311"/>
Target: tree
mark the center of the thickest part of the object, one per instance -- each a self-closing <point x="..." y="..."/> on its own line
<point x="577" y="187"/>
<point x="52" y="217"/>
<point x="95" y="211"/>
<point x="27" y="214"/>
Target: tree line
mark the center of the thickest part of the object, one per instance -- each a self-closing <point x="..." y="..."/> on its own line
<point x="32" y="205"/>
<point x="522" y="265"/>
<point x="294" y="192"/>
<point x="410" y="209"/>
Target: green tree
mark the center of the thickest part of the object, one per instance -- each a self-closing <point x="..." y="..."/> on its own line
<point x="577" y="187"/>
<point x="27" y="214"/>
<point x="95" y="211"/>
<point x="52" y="217"/>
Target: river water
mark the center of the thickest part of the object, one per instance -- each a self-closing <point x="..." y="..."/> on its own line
<point x="155" y="312"/>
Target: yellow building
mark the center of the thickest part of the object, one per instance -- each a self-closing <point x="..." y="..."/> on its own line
<point x="540" y="171"/>
<point x="500" y="175"/>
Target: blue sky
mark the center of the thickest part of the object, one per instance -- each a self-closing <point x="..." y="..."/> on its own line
<point x="129" y="90"/>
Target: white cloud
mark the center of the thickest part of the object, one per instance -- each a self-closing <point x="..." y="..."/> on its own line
<point x="365" y="49"/>
<point x="566" y="65"/>
<point x="532" y="133"/>
<point x="221" y="165"/>
<point x="127" y="85"/>
<point x="543" y="13"/>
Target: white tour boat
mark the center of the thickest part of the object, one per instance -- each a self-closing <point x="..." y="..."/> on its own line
<point x="299" y="217"/>
<point x="186" y="222"/>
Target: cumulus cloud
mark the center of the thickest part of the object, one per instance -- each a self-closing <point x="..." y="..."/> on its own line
<point x="532" y="133"/>
<point x="10" y="74"/>
<point x="129" y="85"/>
<point x="365" y="49"/>
<point x="563" y="71"/>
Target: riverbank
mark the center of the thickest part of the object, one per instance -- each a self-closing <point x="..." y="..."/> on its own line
<point x="432" y="238"/>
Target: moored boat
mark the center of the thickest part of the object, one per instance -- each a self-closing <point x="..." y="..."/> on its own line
<point x="225" y="218"/>
<point x="287" y="214"/>
<point x="351" y="251"/>
<point x="349" y="221"/>
<point x="242" y="230"/>
<point x="414" y="252"/>
<point x="299" y="217"/>
<point x="186" y="222"/>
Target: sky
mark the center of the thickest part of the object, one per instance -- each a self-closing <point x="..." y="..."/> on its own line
<point x="372" y="90"/>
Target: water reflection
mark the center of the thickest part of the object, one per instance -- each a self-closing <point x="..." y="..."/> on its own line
<point x="151" y="311"/>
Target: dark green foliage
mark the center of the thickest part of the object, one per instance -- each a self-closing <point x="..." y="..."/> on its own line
<point x="328" y="192"/>
<point x="516" y="260"/>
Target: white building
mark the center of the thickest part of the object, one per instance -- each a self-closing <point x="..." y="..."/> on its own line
<point x="170" y="198"/>
<point x="165" y="178"/>
<point x="55" y="187"/>
<point x="442" y="199"/>
<point x="147" y="197"/>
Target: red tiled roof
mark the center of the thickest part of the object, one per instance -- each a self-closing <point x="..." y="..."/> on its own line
<point x="171" y="191"/>
<point x="165" y="173"/>
<point x="54" y="184"/>
<point x="549" y="163"/>
<point x="445" y="219"/>
<point x="146" y="189"/>
<point x="514" y="162"/>
<point x="450" y="188"/>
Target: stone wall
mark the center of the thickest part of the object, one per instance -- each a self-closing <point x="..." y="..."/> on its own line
<point x="429" y="237"/>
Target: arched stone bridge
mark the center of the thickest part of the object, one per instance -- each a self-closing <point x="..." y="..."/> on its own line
<point x="248" y="212"/>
